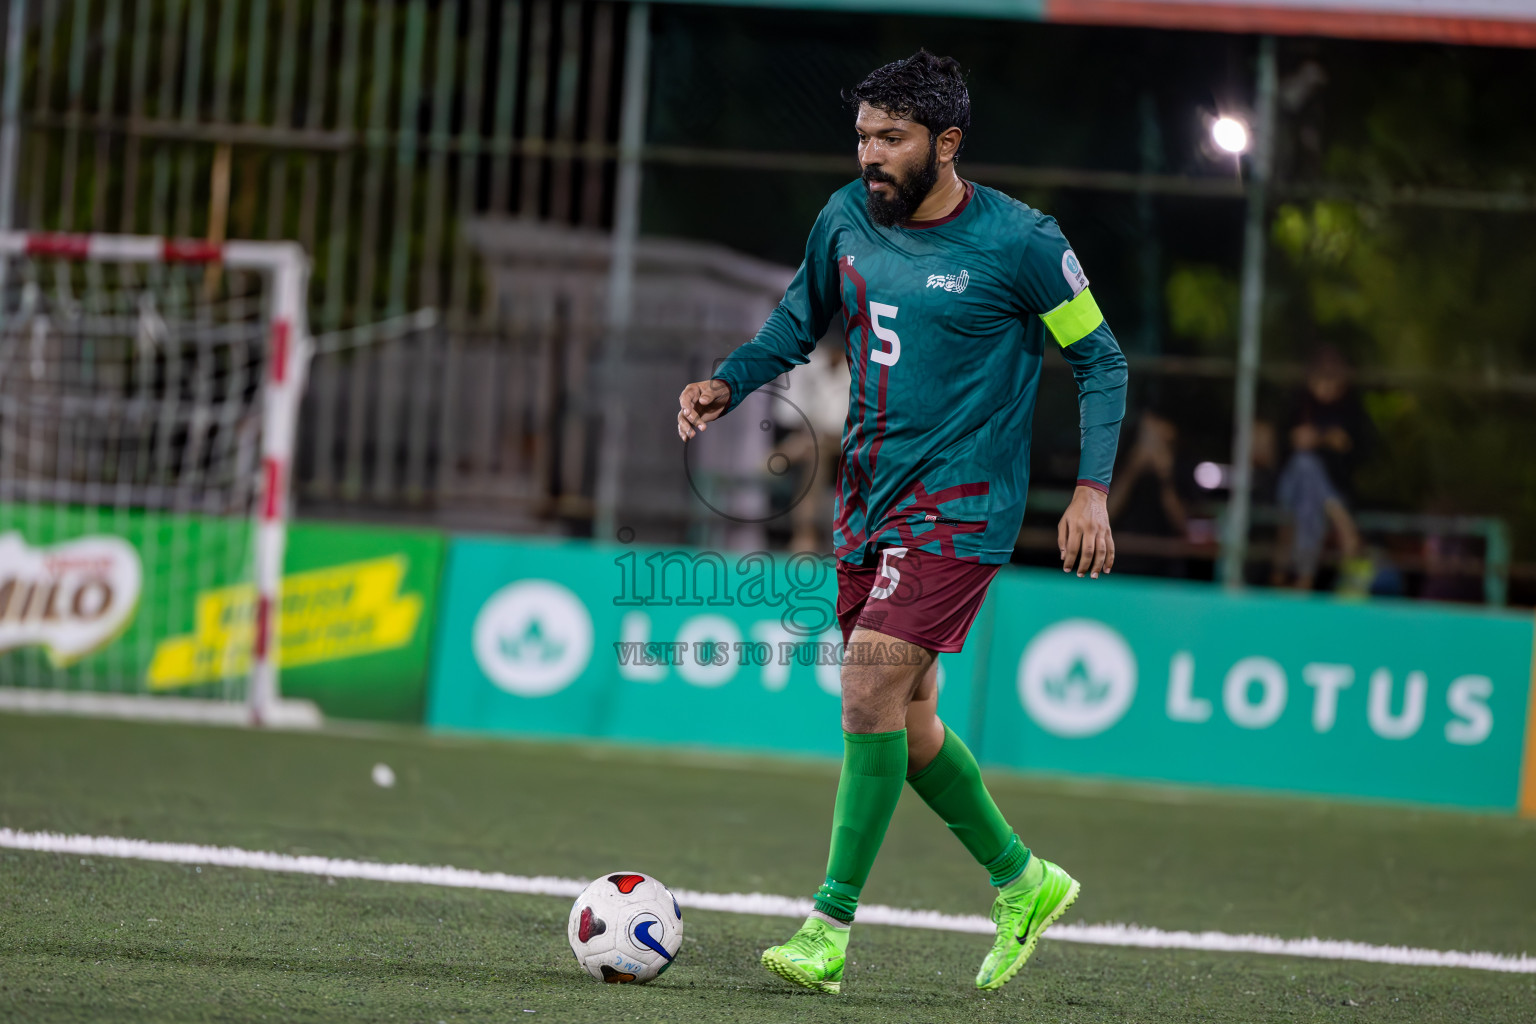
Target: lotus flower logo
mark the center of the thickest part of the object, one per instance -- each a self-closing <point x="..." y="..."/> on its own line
<point x="533" y="638"/>
<point x="532" y="645"/>
<point x="1077" y="678"/>
<point x="1077" y="686"/>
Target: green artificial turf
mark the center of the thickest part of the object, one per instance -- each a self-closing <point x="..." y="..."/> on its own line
<point x="101" y="939"/>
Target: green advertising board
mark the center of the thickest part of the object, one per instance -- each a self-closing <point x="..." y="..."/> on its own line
<point x="1181" y="682"/>
<point x="87" y="594"/>
<point x="356" y="638"/>
<point x="358" y="607"/>
<point x="650" y="645"/>
<point x="159" y="603"/>
<point x="1117" y="677"/>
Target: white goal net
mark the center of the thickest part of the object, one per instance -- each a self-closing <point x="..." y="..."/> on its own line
<point x="148" y="394"/>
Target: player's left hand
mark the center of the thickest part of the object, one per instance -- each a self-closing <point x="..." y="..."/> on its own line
<point x="1083" y="535"/>
<point x="701" y="402"/>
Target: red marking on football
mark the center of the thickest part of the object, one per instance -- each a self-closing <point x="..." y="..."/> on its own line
<point x="589" y="925"/>
<point x="626" y="883"/>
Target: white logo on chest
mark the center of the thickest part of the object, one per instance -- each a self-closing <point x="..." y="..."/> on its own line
<point x="950" y="282"/>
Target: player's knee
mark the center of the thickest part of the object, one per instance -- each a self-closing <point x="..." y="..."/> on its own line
<point x="873" y="698"/>
<point x="862" y="718"/>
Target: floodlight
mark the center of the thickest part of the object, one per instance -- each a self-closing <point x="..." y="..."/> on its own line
<point x="1230" y="134"/>
<point x="1210" y="475"/>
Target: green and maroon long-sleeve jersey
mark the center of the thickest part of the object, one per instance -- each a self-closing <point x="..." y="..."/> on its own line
<point x="946" y="323"/>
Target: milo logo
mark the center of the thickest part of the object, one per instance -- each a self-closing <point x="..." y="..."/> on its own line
<point x="71" y="599"/>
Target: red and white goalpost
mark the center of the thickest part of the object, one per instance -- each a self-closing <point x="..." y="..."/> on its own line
<point x="142" y="372"/>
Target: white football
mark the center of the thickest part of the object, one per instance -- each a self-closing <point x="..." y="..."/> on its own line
<point x="625" y="928"/>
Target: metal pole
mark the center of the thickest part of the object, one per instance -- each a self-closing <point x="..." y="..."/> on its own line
<point x="10" y="123"/>
<point x="10" y="113"/>
<point x="1151" y="252"/>
<point x="621" y="272"/>
<point x="1234" y="557"/>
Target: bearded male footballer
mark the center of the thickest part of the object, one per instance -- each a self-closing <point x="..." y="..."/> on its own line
<point x="949" y="293"/>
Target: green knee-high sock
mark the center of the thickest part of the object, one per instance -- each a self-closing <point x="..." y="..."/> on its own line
<point x="874" y="764"/>
<point x="952" y="786"/>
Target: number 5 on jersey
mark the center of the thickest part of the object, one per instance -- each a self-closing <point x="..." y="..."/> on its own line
<point x="888" y="572"/>
<point x="887" y="356"/>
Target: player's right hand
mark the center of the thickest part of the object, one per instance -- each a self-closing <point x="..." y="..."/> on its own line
<point x="701" y="401"/>
<point x="1083" y="535"/>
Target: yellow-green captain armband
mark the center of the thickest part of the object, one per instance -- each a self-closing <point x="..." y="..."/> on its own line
<point x="1074" y="319"/>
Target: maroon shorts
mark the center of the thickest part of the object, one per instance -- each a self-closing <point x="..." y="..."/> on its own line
<point x="926" y="599"/>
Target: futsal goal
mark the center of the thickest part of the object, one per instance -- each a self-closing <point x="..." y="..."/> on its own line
<point x="149" y="391"/>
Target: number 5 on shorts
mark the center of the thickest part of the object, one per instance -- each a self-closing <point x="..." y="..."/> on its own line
<point x="889" y="571"/>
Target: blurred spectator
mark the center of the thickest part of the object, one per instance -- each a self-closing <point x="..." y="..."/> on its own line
<point x="1145" y="498"/>
<point x="1450" y="560"/>
<point x="1388" y="580"/>
<point x="1328" y="428"/>
<point x="1266" y="462"/>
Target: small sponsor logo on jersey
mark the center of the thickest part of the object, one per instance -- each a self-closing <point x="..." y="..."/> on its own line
<point x="1072" y="270"/>
<point x="950" y="282"/>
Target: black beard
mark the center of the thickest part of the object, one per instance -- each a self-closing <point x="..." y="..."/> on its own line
<point x="889" y="211"/>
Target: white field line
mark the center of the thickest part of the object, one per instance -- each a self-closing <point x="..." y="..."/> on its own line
<point x="759" y="904"/>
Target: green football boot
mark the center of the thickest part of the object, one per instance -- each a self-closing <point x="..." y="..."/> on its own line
<point x="813" y="957"/>
<point x="1023" y="909"/>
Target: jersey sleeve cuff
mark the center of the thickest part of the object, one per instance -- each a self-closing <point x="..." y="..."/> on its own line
<point x="1094" y="484"/>
<point x="735" y="389"/>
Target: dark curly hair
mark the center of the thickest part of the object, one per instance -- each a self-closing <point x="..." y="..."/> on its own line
<point x="923" y="88"/>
